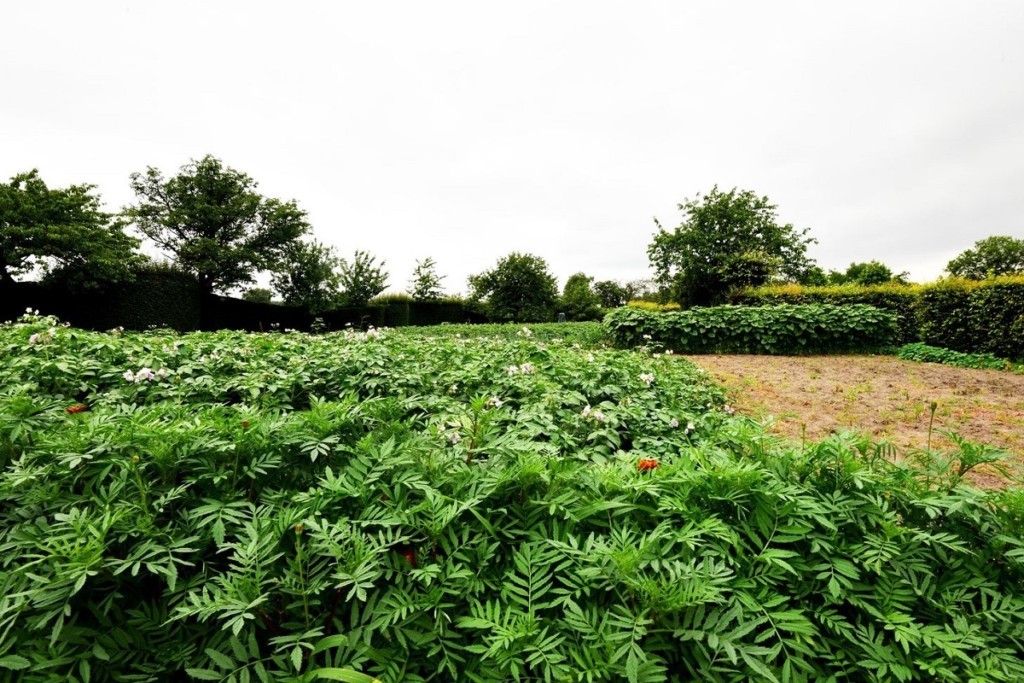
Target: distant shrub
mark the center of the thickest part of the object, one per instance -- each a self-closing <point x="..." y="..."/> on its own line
<point x="798" y="329"/>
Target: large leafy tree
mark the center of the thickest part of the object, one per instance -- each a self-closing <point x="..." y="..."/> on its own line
<point x="579" y="301"/>
<point x="212" y="221"/>
<point x="610" y="293"/>
<point x="726" y="240"/>
<point x="426" y="283"/>
<point x="63" y="232"/>
<point x="361" y="279"/>
<point x="308" y="276"/>
<point x="996" y="255"/>
<point x="519" y="288"/>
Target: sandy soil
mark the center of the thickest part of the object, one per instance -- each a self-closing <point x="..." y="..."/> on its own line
<point x="885" y="397"/>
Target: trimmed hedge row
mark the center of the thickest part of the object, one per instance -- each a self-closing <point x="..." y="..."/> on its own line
<point x="975" y="317"/>
<point x="900" y="299"/>
<point x="794" y="329"/>
<point x="167" y="298"/>
<point x="969" y="316"/>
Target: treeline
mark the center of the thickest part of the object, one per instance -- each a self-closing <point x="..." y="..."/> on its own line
<point x="217" y="229"/>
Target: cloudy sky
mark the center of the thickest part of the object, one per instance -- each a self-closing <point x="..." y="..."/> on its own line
<point x="464" y="131"/>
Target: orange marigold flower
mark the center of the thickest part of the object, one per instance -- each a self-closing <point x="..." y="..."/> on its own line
<point x="647" y="464"/>
<point x="410" y="557"/>
<point x="77" y="408"/>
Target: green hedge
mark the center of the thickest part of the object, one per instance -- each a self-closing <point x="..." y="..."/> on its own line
<point x="795" y="329"/>
<point x="158" y="297"/>
<point x="975" y="316"/>
<point x="900" y="299"/>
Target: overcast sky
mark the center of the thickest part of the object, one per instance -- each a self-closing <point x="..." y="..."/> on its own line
<point x="464" y="131"/>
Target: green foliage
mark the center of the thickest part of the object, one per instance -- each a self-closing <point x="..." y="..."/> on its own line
<point x="361" y="279"/>
<point x="990" y="257"/>
<point x="426" y="283"/>
<point x="579" y="301"/>
<point x="975" y="316"/>
<point x="259" y="295"/>
<point x="610" y="294"/>
<point x="213" y="222"/>
<point x="727" y="240"/>
<point x="64" y="233"/>
<point x="391" y="298"/>
<point x="295" y="508"/>
<point x="786" y="329"/>
<point x="520" y="288"/>
<point x="933" y="354"/>
<point x="866" y="275"/>
<point x="899" y="298"/>
<point x="589" y="335"/>
<point x="308" y="276"/>
<point x="652" y="306"/>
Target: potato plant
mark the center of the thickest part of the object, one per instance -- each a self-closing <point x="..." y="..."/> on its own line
<point x="286" y="507"/>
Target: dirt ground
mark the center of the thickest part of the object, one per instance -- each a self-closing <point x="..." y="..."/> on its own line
<point x="885" y="397"/>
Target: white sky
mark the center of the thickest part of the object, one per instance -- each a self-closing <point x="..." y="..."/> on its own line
<point x="464" y="131"/>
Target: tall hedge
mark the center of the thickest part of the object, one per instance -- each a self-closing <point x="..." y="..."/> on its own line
<point x="158" y="297"/>
<point x="900" y="299"/>
<point x="785" y="329"/>
<point x="975" y="316"/>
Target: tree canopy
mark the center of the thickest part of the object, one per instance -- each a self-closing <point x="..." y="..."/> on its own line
<point x="579" y="300"/>
<point x="426" y="283"/>
<point x="308" y="276"/>
<point x="361" y="279"/>
<point x="212" y="221"/>
<point x="63" y="232"/>
<point x="726" y="240"/>
<point x="866" y="273"/>
<point x="519" y="288"/>
<point x="610" y="293"/>
<point x="996" y="255"/>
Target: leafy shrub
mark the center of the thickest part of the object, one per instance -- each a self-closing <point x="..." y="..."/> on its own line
<point x="934" y="354"/>
<point x="900" y="298"/>
<point x="811" y="328"/>
<point x="283" y="507"/>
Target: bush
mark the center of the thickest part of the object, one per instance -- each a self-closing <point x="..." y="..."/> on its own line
<point x="898" y="298"/>
<point x="809" y="328"/>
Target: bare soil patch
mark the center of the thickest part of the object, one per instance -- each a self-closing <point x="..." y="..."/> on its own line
<point x="882" y="396"/>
